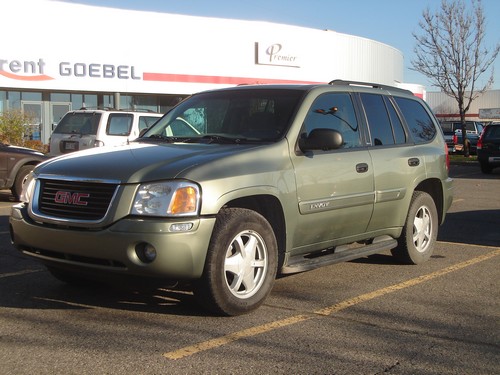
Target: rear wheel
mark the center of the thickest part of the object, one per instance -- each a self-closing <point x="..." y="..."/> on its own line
<point x="485" y="167"/>
<point x="417" y="241"/>
<point x="241" y="263"/>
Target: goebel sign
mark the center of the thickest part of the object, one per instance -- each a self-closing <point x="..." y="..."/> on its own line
<point x="35" y="70"/>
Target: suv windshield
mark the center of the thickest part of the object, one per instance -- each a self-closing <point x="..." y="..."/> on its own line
<point x="78" y="123"/>
<point x="256" y="115"/>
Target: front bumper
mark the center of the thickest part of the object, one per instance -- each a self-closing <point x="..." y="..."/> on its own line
<point x="180" y="255"/>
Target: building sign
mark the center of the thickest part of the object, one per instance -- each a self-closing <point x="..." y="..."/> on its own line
<point x="35" y="70"/>
<point x="490" y="113"/>
<point x="277" y="54"/>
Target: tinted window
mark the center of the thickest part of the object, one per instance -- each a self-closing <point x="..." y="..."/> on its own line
<point x="492" y="132"/>
<point x="419" y="122"/>
<point x="146" y="121"/>
<point x="119" y="124"/>
<point x="378" y="120"/>
<point x="255" y="115"/>
<point x="335" y="111"/>
<point x="78" y="123"/>
<point x="397" y="126"/>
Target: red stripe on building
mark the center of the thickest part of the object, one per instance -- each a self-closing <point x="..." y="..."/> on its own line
<point x="186" y="78"/>
<point x="18" y="77"/>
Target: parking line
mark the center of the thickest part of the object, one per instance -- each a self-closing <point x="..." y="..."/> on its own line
<point x="2" y="275"/>
<point x="220" y="341"/>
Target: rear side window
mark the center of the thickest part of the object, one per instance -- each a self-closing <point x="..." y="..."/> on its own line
<point x="418" y="119"/>
<point x="119" y="124"/>
<point x="383" y="121"/>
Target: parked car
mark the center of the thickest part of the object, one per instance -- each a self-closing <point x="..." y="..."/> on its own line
<point x="15" y="164"/>
<point x="488" y="148"/>
<point x="87" y="128"/>
<point x="278" y="179"/>
<point x="452" y="131"/>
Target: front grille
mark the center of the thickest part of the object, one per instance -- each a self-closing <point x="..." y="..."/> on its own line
<point x="75" y="200"/>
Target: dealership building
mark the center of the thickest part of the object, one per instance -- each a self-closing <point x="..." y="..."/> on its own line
<point x="58" y="56"/>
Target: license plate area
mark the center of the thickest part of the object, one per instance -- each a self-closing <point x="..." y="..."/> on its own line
<point x="69" y="146"/>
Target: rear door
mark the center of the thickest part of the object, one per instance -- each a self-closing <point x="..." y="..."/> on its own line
<point x="398" y="163"/>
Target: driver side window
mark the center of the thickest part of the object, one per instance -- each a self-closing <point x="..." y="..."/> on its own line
<point x="335" y="111"/>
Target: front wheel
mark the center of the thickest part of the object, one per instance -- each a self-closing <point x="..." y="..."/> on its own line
<point x="241" y="263"/>
<point x="417" y="241"/>
<point x="20" y="179"/>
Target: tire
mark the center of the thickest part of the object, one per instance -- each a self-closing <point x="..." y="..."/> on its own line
<point x="418" y="238"/>
<point x="241" y="263"/>
<point x="17" y="188"/>
<point x="485" y="168"/>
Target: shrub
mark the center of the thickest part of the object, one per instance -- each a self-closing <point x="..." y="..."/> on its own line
<point x="13" y="127"/>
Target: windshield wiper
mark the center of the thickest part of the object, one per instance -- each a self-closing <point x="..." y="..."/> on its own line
<point x="161" y="138"/>
<point x="214" y="138"/>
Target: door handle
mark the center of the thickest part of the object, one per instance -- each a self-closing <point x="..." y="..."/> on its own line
<point x="361" y="167"/>
<point x="413" y="162"/>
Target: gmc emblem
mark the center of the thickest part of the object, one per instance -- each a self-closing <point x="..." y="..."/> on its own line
<point x="65" y="197"/>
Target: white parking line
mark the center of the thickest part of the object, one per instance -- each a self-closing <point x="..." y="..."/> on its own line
<point x="24" y="272"/>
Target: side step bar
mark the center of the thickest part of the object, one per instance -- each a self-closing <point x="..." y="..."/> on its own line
<point x="302" y="264"/>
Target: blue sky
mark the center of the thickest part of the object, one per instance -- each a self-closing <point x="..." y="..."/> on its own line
<point x="388" y="21"/>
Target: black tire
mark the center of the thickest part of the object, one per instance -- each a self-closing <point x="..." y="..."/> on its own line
<point x="418" y="238"/>
<point x="241" y="263"/>
<point x="17" y="188"/>
<point x="485" y="167"/>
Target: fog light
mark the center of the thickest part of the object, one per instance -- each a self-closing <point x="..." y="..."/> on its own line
<point x="145" y="252"/>
<point x="181" y="227"/>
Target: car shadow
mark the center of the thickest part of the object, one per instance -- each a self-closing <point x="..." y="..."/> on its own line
<point x="472" y="171"/>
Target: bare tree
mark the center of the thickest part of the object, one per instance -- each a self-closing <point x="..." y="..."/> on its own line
<point x="451" y="54"/>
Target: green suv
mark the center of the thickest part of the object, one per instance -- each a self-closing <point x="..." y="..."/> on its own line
<point x="268" y="180"/>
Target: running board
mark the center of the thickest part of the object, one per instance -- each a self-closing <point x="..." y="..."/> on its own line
<point x="302" y="264"/>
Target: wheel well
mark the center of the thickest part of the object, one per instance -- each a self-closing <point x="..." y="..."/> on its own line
<point x="269" y="207"/>
<point x="434" y="189"/>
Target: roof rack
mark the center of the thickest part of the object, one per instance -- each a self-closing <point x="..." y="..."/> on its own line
<point x="97" y="108"/>
<point x="117" y="110"/>
<point x="340" y="82"/>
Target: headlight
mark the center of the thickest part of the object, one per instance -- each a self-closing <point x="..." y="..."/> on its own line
<point x="179" y="198"/>
<point x="28" y="188"/>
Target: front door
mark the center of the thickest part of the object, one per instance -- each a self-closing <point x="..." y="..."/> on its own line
<point x="335" y="189"/>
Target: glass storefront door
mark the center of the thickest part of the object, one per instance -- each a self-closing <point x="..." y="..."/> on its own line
<point x="34" y="111"/>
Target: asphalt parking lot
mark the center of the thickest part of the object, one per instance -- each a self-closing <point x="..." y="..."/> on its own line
<point x="369" y="316"/>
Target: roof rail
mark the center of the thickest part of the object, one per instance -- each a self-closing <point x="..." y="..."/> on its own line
<point x="98" y="108"/>
<point x="118" y="110"/>
<point x="339" y="82"/>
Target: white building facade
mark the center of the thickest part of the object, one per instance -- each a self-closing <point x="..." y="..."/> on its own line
<point x="485" y="108"/>
<point x="84" y="56"/>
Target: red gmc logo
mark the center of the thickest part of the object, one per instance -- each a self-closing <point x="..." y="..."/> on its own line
<point x="65" y="197"/>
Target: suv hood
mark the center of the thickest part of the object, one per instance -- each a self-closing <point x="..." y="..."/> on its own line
<point x="139" y="162"/>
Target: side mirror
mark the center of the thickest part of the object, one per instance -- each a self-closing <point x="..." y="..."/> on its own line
<point x="321" y="139"/>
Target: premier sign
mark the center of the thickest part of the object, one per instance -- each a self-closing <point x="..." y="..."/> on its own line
<point x="276" y="54"/>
